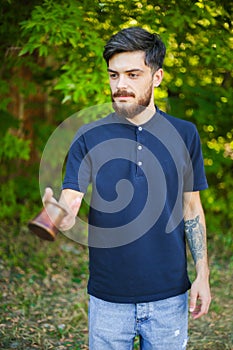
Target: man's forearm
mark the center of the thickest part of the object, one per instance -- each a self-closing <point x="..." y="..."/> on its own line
<point x="196" y="238"/>
<point x="195" y="234"/>
<point x="195" y="231"/>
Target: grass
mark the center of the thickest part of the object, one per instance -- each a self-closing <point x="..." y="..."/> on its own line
<point x="43" y="300"/>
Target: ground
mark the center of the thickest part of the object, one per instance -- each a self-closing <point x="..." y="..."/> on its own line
<point x="43" y="299"/>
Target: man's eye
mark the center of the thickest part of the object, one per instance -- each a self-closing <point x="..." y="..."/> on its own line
<point x="133" y="75"/>
<point x="113" y="75"/>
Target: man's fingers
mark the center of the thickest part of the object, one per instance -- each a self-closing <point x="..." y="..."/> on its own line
<point x="196" y="312"/>
<point x="48" y="195"/>
<point x="193" y="301"/>
<point x="201" y="309"/>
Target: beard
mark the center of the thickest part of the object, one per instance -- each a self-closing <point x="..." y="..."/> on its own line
<point x="129" y="110"/>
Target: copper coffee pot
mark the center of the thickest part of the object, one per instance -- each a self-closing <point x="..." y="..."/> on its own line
<point x="45" y="224"/>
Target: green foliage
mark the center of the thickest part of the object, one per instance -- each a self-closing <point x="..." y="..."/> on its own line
<point x="61" y="42"/>
<point x="13" y="147"/>
<point x="62" y="30"/>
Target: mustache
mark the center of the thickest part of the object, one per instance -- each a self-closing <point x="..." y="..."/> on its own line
<point x="121" y="93"/>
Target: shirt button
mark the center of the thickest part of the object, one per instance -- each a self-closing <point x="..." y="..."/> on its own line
<point x="140" y="147"/>
<point x="139" y="163"/>
<point x="140" y="128"/>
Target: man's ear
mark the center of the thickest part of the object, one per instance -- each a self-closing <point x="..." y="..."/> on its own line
<point x="158" y="77"/>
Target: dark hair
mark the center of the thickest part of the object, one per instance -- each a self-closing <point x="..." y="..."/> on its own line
<point x="137" y="39"/>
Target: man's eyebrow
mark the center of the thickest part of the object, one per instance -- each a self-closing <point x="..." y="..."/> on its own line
<point x="127" y="71"/>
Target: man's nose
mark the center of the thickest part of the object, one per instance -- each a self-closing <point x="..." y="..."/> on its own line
<point x="122" y="82"/>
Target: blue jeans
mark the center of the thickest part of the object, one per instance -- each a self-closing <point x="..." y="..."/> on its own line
<point x="160" y="325"/>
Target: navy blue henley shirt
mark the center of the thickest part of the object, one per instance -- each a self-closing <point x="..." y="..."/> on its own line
<point x="138" y="175"/>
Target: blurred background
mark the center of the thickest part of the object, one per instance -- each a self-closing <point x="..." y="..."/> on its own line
<point x="51" y="68"/>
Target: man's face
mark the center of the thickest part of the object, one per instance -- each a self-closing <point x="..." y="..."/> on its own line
<point x="131" y="83"/>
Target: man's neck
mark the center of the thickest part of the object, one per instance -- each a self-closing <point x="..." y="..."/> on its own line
<point x="143" y="117"/>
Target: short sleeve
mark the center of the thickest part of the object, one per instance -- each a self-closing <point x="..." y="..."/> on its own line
<point x="77" y="174"/>
<point x="195" y="178"/>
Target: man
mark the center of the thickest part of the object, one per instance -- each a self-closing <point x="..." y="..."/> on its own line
<point x="137" y="227"/>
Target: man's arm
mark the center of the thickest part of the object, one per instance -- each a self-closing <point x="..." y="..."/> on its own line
<point x="195" y="231"/>
<point x="71" y="200"/>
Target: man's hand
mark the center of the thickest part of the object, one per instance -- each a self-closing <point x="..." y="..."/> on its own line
<point x="48" y="196"/>
<point x="200" y="297"/>
<point x="70" y="200"/>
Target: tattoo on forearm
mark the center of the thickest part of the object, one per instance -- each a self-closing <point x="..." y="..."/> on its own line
<point x="194" y="231"/>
